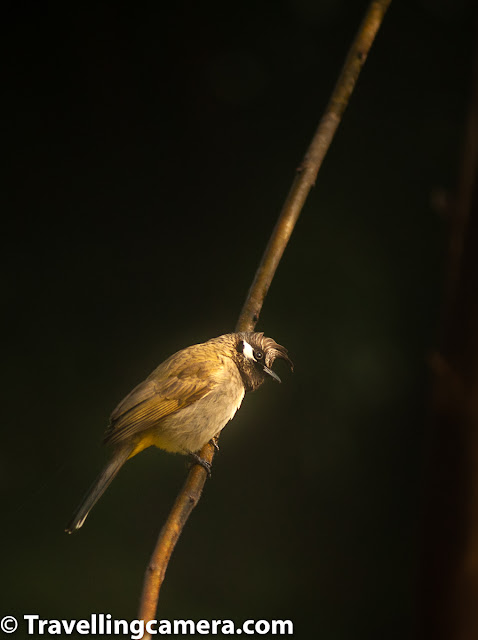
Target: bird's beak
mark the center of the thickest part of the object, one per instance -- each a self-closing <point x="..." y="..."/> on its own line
<point x="272" y="374"/>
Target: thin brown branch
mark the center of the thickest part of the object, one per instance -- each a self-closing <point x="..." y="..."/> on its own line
<point x="307" y="171"/>
<point x="303" y="182"/>
<point x="169" y="534"/>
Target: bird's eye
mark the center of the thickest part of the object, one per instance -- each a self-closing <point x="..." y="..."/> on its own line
<point x="258" y="355"/>
<point x="240" y="346"/>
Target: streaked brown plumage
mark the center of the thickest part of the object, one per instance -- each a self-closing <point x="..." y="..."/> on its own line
<point x="185" y="402"/>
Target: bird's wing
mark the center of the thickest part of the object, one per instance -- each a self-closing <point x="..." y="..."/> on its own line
<point x="169" y="388"/>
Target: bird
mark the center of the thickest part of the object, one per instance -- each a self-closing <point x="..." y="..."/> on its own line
<point x="185" y="403"/>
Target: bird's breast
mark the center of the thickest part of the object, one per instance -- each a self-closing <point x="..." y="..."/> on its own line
<point x="191" y="427"/>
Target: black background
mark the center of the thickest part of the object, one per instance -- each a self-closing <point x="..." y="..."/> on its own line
<point x="149" y="148"/>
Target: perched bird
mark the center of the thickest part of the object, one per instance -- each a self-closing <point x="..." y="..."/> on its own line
<point x="185" y="403"/>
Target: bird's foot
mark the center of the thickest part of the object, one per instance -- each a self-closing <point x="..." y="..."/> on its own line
<point x="213" y="441"/>
<point x="196" y="459"/>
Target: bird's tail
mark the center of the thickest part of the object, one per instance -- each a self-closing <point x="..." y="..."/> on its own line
<point x="97" y="489"/>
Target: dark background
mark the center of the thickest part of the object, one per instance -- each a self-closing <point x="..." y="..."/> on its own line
<point x="149" y="150"/>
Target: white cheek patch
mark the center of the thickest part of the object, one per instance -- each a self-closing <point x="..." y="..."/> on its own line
<point x="248" y="351"/>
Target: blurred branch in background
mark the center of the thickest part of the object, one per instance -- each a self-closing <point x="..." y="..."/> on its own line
<point x="450" y="568"/>
<point x="303" y="182"/>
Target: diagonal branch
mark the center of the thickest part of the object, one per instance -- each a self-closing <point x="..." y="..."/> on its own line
<point x="309" y="168"/>
<point x="303" y="182"/>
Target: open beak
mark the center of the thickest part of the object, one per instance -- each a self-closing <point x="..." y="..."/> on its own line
<point x="272" y="374"/>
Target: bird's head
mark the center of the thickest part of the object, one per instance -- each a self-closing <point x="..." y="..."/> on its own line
<point x="255" y="355"/>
